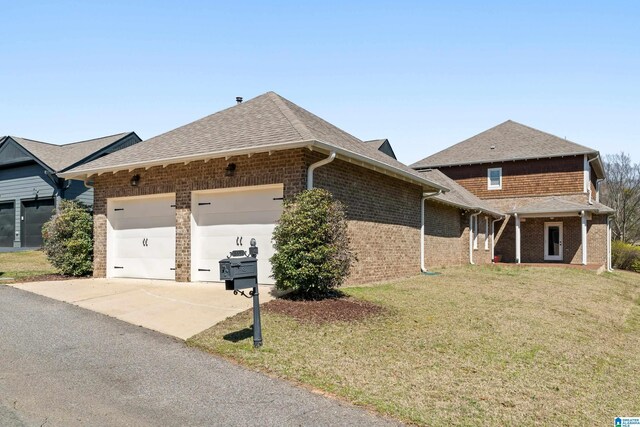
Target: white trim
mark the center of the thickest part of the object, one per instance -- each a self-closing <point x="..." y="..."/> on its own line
<point x="547" y="256"/>
<point x="486" y="233"/>
<point x="518" y="254"/>
<point x="493" y="186"/>
<point x="586" y="174"/>
<point x="341" y="153"/>
<point x="584" y="244"/>
<point x="475" y="232"/>
<point x="609" y="266"/>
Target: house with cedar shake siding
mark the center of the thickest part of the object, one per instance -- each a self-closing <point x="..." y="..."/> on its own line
<point x="548" y="189"/>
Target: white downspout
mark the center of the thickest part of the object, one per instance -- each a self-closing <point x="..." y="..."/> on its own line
<point x="583" y="227"/>
<point x="471" y="219"/>
<point x="518" y="260"/>
<point x="609" y="266"/>
<point x="315" y="165"/>
<point x="493" y="238"/>
<point x="425" y="196"/>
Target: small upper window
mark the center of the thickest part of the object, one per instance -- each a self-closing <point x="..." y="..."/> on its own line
<point x="494" y="178"/>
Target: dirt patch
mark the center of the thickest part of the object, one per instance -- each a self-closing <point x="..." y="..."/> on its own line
<point x="326" y="310"/>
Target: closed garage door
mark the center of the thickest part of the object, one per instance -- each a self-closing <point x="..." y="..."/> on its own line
<point x="34" y="214"/>
<point x="142" y="237"/>
<point x="227" y="220"/>
<point x="7" y="224"/>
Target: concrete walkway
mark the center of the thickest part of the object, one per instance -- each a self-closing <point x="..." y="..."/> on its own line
<point x="61" y="365"/>
<point x="177" y="309"/>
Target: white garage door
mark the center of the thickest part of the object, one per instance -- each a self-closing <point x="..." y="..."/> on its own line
<point x="142" y="237"/>
<point x="226" y="220"/>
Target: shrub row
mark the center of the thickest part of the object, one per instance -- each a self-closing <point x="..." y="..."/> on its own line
<point x="625" y="256"/>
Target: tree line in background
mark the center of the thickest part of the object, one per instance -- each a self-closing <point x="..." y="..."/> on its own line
<point x="621" y="191"/>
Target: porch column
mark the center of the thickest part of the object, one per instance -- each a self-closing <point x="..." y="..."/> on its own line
<point x="518" y="260"/>
<point x="609" y="244"/>
<point x="583" y="217"/>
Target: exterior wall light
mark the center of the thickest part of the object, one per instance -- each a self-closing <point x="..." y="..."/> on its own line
<point x="135" y="179"/>
<point x="230" y="170"/>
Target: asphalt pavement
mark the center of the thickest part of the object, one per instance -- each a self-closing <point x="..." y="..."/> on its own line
<point x="61" y="365"/>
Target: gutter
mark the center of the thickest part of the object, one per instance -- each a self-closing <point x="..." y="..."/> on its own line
<point x="375" y="164"/>
<point x="475" y="215"/>
<point x="425" y="196"/>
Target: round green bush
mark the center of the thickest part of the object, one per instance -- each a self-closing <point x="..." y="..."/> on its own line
<point x="68" y="239"/>
<point x="312" y="257"/>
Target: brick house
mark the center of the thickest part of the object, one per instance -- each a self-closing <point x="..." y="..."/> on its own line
<point x="170" y="207"/>
<point x="548" y="189"/>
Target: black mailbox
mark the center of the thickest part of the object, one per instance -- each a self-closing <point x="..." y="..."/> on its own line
<point x="239" y="273"/>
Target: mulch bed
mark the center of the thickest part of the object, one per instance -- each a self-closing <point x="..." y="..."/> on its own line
<point x="343" y="309"/>
<point x="43" y="278"/>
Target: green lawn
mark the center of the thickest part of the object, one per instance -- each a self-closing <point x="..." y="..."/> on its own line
<point x="474" y="346"/>
<point x="22" y="265"/>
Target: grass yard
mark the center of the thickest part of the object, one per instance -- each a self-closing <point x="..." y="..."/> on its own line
<point x="22" y="265"/>
<point x="474" y="346"/>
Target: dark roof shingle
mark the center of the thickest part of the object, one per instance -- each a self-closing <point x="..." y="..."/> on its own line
<point x="59" y="157"/>
<point x="266" y="122"/>
<point x="505" y="142"/>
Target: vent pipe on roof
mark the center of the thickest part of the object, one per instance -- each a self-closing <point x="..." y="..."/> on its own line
<point x="239" y="99"/>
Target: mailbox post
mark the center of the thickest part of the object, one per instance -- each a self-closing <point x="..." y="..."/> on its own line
<point x="239" y="272"/>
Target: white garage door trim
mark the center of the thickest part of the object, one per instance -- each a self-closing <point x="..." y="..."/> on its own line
<point x="242" y="213"/>
<point x="141" y="237"/>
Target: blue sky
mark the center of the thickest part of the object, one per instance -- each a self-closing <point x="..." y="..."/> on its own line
<point x="423" y="74"/>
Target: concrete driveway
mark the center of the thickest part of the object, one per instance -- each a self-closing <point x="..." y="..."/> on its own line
<point x="177" y="309"/>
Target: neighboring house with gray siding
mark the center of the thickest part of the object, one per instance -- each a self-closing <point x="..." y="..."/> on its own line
<point x="30" y="187"/>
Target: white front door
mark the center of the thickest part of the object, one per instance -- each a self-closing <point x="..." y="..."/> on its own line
<point x="141" y="237"/>
<point x="553" y="241"/>
<point x="227" y="219"/>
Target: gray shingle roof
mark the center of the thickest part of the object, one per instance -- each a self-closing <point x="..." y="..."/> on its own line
<point x="267" y="122"/>
<point x="458" y="195"/>
<point x="510" y="141"/>
<point x="571" y="203"/>
<point x="59" y="157"/>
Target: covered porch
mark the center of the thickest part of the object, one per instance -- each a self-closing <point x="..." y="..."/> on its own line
<point x="555" y="231"/>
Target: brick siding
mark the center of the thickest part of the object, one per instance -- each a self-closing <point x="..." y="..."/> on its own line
<point x="532" y="240"/>
<point x="383" y="212"/>
<point x="383" y="215"/>
<point x="561" y="175"/>
<point x="287" y="167"/>
<point x="443" y="240"/>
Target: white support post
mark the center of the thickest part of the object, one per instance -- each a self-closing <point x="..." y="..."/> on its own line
<point x="518" y="260"/>
<point x="583" y="217"/>
<point x="609" y="266"/>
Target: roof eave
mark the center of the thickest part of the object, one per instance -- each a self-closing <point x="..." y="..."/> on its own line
<point x="469" y="207"/>
<point x="479" y="162"/>
<point x="376" y="165"/>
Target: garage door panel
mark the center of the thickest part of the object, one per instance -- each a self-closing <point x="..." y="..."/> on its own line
<point x="143" y="268"/>
<point x="145" y="232"/>
<point x="235" y="201"/>
<point x="239" y="217"/>
<point x="220" y="218"/>
<point x="145" y="247"/>
<point x="147" y="223"/>
<point x="142" y="237"/>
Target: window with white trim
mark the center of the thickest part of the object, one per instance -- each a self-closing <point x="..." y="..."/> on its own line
<point x="494" y="178"/>
<point x="486" y="233"/>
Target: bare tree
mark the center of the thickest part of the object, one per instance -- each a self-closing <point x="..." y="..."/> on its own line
<point x="621" y="191"/>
